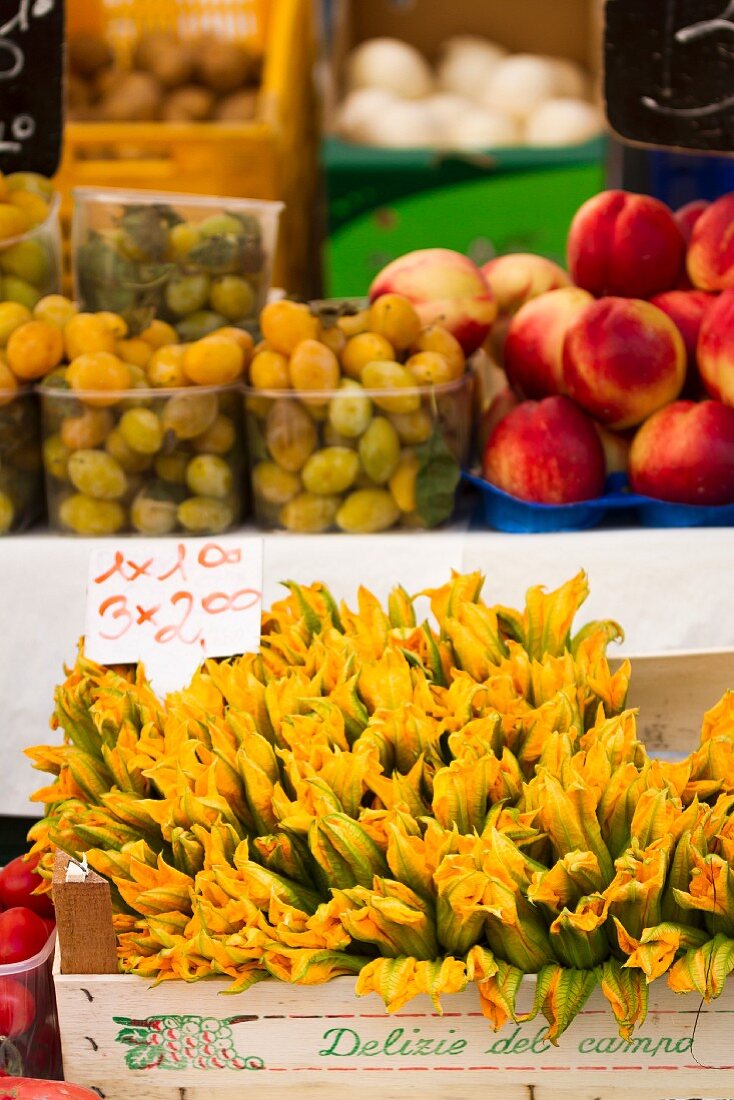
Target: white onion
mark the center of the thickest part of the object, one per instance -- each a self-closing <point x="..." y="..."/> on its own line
<point x="466" y="62"/>
<point x="391" y="64"/>
<point x="479" y="129"/>
<point x="356" y="112"/>
<point x="404" y="125"/>
<point x="571" y="81"/>
<point x="563" y="121"/>
<point x="446" y="108"/>
<point x="519" y="84"/>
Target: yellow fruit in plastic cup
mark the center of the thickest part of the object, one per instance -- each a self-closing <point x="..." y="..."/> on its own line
<point x="33" y="206"/>
<point x="309" y="513"/>
<point x="8" y="384"/>
<point x="56" y="309"/>
<point x="165" y="369"/>
<point x="85" y="333"/>
<point x="181" y="239"/>
<point x="159" y="333"/>
<point x="403" y="481"/>
<point x="273" y="484"/>
<point x="172" y="468"/>
<point x="269" y="371"/>
<point x="100" y="376"/>
<point x="27" y="260"/>
<point x="366" y="347"/>
<point x="385" y="376"/>
<point x="413" y="427"/>
<point x="56" y="457"/>
<point x="86" y="516"/>
<point x="352" y="324"/>
<point x="232" y="296"/>
<point x="395" y="318"/>
<point x="430" y="368"/>
<point x="34" y="349"/>
<point x="367" y="511"/>
<point x="437" y="338"/>
<point x="12" y="315"/>
<point x="313" y="366"/>
<point x="14" y="222"/>
<point x="213" y="361"/>
<point x="88" y="429"/>
<point x="29" y="181"/>
<point x="134" y="350"/>
<point x="218" y="439"/>
<point x="241" y="336"/>
<point x="18" y="290"/>
<point x="285" y="324"/>
<point x="113" y="322"/>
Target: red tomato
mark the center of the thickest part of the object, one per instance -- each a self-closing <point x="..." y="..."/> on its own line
<point x="17" y="1008"/>
<point x="22" y="935"/>
<point x="23" y="1088"/>
<point x="18" y="880"/>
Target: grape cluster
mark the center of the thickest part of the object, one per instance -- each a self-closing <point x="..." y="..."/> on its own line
<point x="182" y="1042"/>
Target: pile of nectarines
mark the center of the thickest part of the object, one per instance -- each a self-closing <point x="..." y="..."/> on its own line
<point x="625" y="363"/>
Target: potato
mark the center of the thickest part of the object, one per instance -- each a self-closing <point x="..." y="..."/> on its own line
<point x="133" y="97"/>
<point x="190" y="103"/>
<point x="88" y="53"/>
<point x="238" y="107"/>
<point x="172" y="64"/>
<point x="223" y="66"/>
<point x="148" y="45"/>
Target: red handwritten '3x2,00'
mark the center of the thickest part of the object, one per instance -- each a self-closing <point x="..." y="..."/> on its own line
<point x="116" y="608"/>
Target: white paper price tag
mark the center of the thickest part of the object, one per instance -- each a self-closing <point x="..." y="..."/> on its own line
<point x="172" y="603"/>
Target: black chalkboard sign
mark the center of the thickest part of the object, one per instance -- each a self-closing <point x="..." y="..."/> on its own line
<point x="669" y="72"/>
<point x="31" y="85"/>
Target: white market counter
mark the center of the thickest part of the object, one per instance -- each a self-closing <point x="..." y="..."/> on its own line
<point x="669" y="589"/>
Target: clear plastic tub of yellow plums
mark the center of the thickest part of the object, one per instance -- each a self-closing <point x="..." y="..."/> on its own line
<point x="146" y="461"/>
<point x="198" y="262"/>
<point x="357" y="459"/>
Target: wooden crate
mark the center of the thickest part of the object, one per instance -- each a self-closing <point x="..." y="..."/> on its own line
<point x="124" y="1038"/>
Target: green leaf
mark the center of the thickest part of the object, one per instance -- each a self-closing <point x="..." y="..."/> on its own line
<point x="223" y="254"/>
<point x="148" y="227"/>
<point x="436" y="481"/>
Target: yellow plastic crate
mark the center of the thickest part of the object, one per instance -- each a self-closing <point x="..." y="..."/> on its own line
<point x="271" y="157"/>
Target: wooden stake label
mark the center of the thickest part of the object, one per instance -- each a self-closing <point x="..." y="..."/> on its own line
<point x="173" y="603"/>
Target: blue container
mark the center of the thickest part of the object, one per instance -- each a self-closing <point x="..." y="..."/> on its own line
<point x="507" y="513"/>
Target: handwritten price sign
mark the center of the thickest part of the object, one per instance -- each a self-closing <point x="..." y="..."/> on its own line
<point x="31" y="93"/>
<point x="172" y="604"/>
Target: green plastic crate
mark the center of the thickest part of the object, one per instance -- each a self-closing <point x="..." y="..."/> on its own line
<point x="383" y="203"/>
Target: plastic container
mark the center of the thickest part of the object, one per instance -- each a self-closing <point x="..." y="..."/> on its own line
<point x="30" y="264"/>
<point x="199" y="262"/>
<point x="32" y="1047"/>
<point x="21" y="472"/>
<point x="350" y="460"/>
<point x="186" y="473"/>
<point x="508" y="513"/>
<point x="274" y="156"/>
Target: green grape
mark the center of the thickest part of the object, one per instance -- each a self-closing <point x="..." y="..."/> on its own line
<point x="199" y="324"/>
<point x="189" y="414"/>
<point x="309" y="513"/>
<point x="86" y="516"/>
<point x="18" y="290"/>
<point x="367" y="511"/>
<point x="232" y="296"/>
<point x="219" y="225"/>
<point x="153" y="516"/>
<point x="172" y="468"/>
<point x="132" y="462"/>
<point x="187" y="293"/>
<point x="142" y="431"/>
<point x="331" y="470"/>
<point x="97" y="475"/>
<point x="7" y="513"/>
<point x="218" y="439"/>
<point x="206" y="515"/>
<point x="209" y="476"/>
<point x="56" y="457"/>
<point x="379" y="450"/>
<point x="350" y="410"/>
<point x="273" y="484"/>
